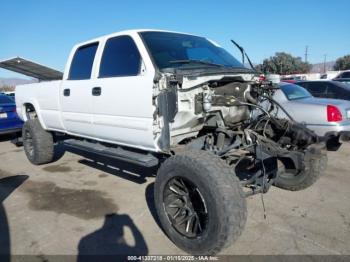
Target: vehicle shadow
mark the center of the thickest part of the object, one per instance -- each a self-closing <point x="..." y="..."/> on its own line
<point x="7" y="137"/>
<point x="125" y="170"/>
<point x="4" y="138"/>
<point x="108" y="242"/>
<point x="14" y="138"/>
<point x="7" y="186"/>
<point x="149" y="195"/>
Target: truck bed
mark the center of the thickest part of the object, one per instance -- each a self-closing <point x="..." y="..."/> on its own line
<point x="44" y="97"/>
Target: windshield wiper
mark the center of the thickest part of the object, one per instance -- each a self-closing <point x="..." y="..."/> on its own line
<point x="192" y="61"/>
<point x="244" y="54"/>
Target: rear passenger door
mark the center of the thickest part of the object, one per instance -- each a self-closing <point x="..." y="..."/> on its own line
<point x="123" y="105"/>
<point x="76" y="92"/>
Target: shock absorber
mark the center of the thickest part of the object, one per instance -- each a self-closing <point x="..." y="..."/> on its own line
<point x="220" y="140"/>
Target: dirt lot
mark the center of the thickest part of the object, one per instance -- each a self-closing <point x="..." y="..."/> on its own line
<point x="82" y="206"/>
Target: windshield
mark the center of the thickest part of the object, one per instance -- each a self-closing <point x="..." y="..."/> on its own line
<point x="178" y="50"/>
<point x="294" y="92"/>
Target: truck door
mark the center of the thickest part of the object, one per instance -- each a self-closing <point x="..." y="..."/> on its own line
<point x="76" y="92"/>
<point x="122" y="100"/>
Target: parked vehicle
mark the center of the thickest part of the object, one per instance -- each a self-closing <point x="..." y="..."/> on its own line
<point x="328" y="118"/>
<point x="329" y="75"/>
<point x="9" y="120"/>
<point x="327" y="89"/>
<point x="345" y="74"/>
<point x="182" y="102"/>
<point x="11" y="94"/>
<point x="274" y="78"/>
<point x="291" y="79"/>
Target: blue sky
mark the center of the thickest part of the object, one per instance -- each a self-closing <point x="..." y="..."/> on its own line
<point x="45" y="31"/>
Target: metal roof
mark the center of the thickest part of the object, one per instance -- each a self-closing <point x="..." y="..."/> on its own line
<point x="29" y="68"/>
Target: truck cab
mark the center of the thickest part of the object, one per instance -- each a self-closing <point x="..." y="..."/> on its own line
<point x="114" y="88"/>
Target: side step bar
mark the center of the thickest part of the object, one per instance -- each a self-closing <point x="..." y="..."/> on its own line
<point x="146" y="160"/>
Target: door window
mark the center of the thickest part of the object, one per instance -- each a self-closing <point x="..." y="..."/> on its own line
<point x="317" y="89"/>
<point x="120" y="58"/>
<point x="83" y="60"/>
<point x="333" y="91"/>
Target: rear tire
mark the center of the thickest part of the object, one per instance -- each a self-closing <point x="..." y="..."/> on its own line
<point x="314" y="168"/>
<point x="333" y="144"/>
<point x="214" y="194"/>
<point x="38" y="143"/>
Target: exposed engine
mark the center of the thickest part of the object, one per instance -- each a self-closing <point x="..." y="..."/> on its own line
<point x="226" y="116"/>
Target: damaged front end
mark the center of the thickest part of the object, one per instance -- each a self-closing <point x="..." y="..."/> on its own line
<point x="220" y="112"/>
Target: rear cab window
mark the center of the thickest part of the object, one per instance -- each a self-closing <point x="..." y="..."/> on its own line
<point x="82" y="62"/>
<point x="120" y="57"/>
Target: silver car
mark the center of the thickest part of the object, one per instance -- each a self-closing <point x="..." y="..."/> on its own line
<point x="328" y="118"/>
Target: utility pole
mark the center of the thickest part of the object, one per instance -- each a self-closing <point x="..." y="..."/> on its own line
<point x="306" y="53"/>
<point x="324" y="63"/>
<point x="281" y="68"/>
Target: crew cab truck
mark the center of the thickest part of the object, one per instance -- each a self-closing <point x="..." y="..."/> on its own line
<point x="183" y="103"/>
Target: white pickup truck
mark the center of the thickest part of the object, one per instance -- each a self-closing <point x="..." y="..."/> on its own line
<point x="181" y="102"/>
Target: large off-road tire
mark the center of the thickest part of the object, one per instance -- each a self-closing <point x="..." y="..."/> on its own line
<point x="315" y="166"/>
<point x="199" y="187"/>
<point x="38" y="143"/>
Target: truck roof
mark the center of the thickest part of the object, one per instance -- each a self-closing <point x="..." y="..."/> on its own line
<point x="44" y="73"/>
<point x="128" y="32"/>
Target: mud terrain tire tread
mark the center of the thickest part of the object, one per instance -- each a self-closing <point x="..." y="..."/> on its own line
<point x="222" y="186"/>
<point x="42" y="141"/>
<point x="314" y="168"/>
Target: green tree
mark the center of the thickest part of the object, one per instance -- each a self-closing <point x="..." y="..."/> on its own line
<point x="283" y="63"/>
<point x="342" y="63"/>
